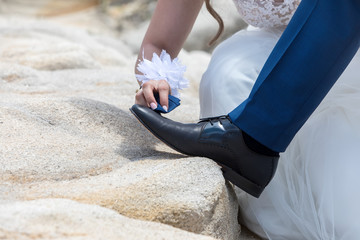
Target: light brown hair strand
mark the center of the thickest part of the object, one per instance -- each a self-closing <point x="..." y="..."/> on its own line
<point x="218" y="19"/>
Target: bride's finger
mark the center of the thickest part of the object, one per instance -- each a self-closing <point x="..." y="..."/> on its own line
<point x="148" y="91"/>
<point x="164" y="91"/>
<point x="140" y="99"/>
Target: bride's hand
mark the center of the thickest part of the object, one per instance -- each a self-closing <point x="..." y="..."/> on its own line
<point x="145" y="96"/>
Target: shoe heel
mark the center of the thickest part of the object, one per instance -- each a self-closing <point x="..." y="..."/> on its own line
<point x="241" y="182"/>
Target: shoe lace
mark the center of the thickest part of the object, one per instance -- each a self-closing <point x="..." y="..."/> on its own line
<point x="213" y="120"/>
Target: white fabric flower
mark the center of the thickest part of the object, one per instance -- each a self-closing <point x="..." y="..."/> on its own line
<point x="163" y="68"/>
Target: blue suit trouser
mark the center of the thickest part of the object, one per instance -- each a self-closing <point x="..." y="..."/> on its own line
<point x="314" y="50"/>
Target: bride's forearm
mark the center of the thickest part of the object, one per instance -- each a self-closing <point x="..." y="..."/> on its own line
<point x="169" y="27"/>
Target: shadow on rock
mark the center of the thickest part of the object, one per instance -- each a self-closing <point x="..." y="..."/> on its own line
<point x="136" y="142"/>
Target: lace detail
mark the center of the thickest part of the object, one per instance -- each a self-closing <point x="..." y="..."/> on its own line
<point x="267" y="13"/>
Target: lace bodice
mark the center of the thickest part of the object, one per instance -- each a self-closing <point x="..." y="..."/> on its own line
<point x="267" y="13"/>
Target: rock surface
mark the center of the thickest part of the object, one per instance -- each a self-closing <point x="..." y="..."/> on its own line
<point x="186" y="193"/>
<point x="65" y="219"/>
<point x="66" y="132"/>
<point x="44" y="8"/>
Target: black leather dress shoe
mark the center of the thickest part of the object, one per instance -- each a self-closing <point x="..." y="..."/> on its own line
<point x="216" y="138"/>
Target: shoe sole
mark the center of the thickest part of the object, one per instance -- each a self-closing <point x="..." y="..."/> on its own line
<point x="229" y="174"/>
<point x="241" y="182"/>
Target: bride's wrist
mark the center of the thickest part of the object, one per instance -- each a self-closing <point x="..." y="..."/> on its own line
<point x="163" y="68"/>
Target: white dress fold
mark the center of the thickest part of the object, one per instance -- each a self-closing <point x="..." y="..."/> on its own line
<point x="314" y="194"/>
<point x="233" y="69"/>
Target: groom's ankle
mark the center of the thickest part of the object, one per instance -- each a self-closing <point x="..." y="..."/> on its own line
<point x="257" y="146"/>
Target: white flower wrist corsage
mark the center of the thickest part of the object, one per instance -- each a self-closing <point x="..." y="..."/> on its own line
<point x="163" y="68"/>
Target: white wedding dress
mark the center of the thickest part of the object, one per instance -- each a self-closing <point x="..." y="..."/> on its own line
<point x="314" y="194"/>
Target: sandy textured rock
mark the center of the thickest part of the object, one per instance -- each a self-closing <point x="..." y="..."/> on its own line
<point x="90" y="151"/>
<point x="186" y="193"/>
<point x="45" y="46"/>
<point x="96" y="153"/>
<point x="66" y="84"/>
<point x="67" y="133"/>
<point x="65" y="219"/>
<point x="44" y="7"/>
<point x="56" y="139"/>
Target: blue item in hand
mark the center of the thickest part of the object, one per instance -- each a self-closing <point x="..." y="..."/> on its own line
<point x="173" y="103"/>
